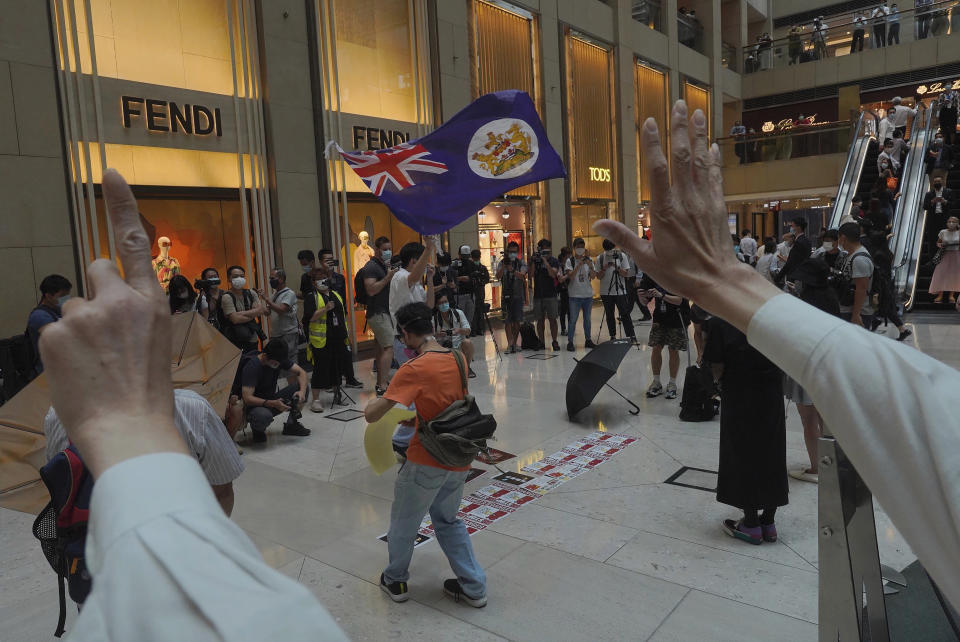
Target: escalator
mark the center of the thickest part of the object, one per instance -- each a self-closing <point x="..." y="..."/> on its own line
<point x="915" y="236"/>
<point x="860" y="172"/>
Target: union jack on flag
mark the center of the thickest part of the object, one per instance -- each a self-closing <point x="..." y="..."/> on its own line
<point x="392" y="166"/>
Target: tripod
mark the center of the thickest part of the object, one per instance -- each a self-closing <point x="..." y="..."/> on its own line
<point x="613" y="289"/>
<point x="493" y="335"/>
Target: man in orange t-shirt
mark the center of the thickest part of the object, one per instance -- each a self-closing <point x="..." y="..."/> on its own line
<point x="431" y="381"/>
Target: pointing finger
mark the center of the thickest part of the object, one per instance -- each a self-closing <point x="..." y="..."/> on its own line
<point x="640" y="249"/>
<point x="133" y="246"/>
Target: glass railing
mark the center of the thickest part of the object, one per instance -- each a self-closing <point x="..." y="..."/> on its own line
<point x="648" y="12"/>
<point x="797" y="141"/>
<point x="820" y="40"/>
<point x="690" y="31"/>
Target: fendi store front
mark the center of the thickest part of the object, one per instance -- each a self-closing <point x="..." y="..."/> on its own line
<point x="373" y="75"/>
<point x="591" y="143"/>
<point x="173" y="101"/>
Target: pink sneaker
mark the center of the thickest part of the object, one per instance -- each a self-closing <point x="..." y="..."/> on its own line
<point x="769" y="532"/>
<point x="749" y="534"/>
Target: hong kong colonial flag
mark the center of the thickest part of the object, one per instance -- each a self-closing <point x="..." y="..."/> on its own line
<point x="494" y="145"/>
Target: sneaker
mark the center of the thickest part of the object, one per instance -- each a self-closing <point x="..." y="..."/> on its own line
<point x="316" y="406"/>
<point x="454" y="590"/>
<point x="380" y="391"/>
<point x="589" y="344"/>
<point x="904" y="335"/>
<point x="654" y="390"/>
<point x="259" y="436"/>
<point x="556" y="346"/>
<point x="803" y="474"/>
<point x="397" y="591"/>
<point x="736" y="529"/>
<point x="671" y="391"/>
<point x="470" y="373"/>
<point x="769" y="532"/>
<point x="296" y="429"/>
<point x="353" y="383"/>
<point x="570" y="347"/>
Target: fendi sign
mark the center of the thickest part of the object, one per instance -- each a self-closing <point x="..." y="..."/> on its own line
<point x="163" y="116"/>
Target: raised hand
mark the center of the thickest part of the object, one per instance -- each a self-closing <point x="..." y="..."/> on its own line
<point x="108" y="360"/>
<point x="690" y="253"/>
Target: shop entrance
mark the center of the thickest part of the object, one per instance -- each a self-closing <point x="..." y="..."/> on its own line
<point x="501" y="223"/>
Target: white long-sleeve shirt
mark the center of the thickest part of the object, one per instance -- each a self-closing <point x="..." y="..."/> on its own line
<point x="167" y="564"/>
<point x="892" y="409"/>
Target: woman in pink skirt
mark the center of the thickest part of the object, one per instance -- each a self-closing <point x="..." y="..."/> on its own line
<point x="946" y="276"/>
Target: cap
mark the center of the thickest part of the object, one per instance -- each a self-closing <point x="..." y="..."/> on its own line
<point x="464" y="249"/>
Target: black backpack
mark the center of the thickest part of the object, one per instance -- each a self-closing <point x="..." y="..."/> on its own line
<point x="843" y="280"/>
<point x="239" y="335"/>
<point x="18" y="363"/>
<point x="528" y="337"/>
<point x="360" y="296"/>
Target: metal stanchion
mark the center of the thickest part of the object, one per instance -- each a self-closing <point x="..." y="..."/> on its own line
<point x="849" y="557"/>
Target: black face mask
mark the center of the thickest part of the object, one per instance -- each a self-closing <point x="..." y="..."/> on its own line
<point x="274" y="283"/>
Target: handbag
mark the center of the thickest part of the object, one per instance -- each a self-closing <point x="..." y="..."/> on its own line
<point x="937" y="257"/>
<point x="456" y="435"/>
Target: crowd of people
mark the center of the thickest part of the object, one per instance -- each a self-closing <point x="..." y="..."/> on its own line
<point x="114" y="399"/>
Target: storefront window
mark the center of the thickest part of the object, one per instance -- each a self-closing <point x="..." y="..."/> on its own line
<point x="502" y="223"/>
<point x="375" y="60"/>
<point x="697" y="97"/>
<point x="651" y="102"/>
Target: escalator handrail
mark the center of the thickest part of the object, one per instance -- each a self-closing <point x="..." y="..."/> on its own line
<point x="912" y="188"/>
<point x="850" y="178"/>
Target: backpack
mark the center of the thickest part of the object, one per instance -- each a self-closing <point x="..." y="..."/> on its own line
<point x="528" y="337"/>
<point x="360" y="296"/>
<point x="456" y="435"/>
<point x="61" y="526"/>
<point x="843" y="281"/>
<point x="18" y="363"/>
<point x="696" y="402"/>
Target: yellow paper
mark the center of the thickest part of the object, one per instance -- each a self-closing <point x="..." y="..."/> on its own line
<point x="377" y="440"/>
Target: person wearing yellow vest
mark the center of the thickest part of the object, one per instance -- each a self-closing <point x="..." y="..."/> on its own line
<point x="328" y="339"/>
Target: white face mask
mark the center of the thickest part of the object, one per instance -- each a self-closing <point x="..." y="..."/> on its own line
<point x="63" y="299"/>
<point x="580" y="251"/>
<point x="827" y="246"/>
<point x="512" y="255"/>
<point x="305" y="268"/>
<point x="238" y="282"/>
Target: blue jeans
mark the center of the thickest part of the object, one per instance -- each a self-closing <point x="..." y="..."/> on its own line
<point x="578" y="304"/>
<point x="425" y="488"/>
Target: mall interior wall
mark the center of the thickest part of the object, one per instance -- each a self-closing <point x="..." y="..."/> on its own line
<point x="35" y="231"/>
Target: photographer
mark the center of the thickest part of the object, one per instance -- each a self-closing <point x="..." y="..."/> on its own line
<point x="466" y="281"/>
<point x="329" y="341"/>
<point x="612" y="269"/>
<point x="284" y="323"/>
<point x="512" y="274"/>
<point x="451" y="327"/>
<point x="327" y="269"/>
<point x="208" y="303"/>
<point x="479" y="294"/>
<point x="446" y="274"/>
<point x="181" y="297"/>
<point x="669" y="329"/>
<point x="545" y="271"/>
<point x="578" y="272"/>
<point x="377" y="274"/>
<point x="241" y="310"/>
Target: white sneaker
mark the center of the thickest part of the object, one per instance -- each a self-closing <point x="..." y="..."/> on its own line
<point x="655" y="390"/>
<point x="316" y="406"/>
<point x="671" y="391"/>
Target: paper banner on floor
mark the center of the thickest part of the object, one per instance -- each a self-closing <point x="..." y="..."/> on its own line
<point x="378" y="439"/>
<point x="509" y="492"/>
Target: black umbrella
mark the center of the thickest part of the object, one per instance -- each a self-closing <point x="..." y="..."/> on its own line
<point x="593" y="372"/>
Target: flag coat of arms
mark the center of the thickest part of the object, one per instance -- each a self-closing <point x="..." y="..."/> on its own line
<point x="492" y="146"/>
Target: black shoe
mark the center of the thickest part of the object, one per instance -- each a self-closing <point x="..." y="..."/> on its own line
<point x="904" y="335"/>
<point x="541" y="346"/>
<point x="296" y="429"/>
<point x="570" y="347"/>
<point x="397" y="591"/>
<point x="353" y="383"/>
<point x="259" y="436"/>
<point x="380" y="391"/>
<point x="470" y="373"/>
<point x="556" y="346"/>
<point x="453" y="589"/>
<point x="589" y="344"/>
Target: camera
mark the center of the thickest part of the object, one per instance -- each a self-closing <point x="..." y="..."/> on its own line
<point x="202" y="285"/>
<point x="537" y="259"/>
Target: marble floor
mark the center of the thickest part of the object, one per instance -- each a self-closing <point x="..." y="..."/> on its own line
<point x="615" y="554"/>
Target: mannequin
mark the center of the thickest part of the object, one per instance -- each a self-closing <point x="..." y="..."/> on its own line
<point x="363" y="253"/>
<point x="165" y="266"/>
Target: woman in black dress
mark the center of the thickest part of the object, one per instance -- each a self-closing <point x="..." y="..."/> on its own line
<point x="753" y="437"/>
